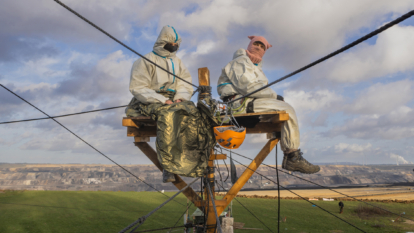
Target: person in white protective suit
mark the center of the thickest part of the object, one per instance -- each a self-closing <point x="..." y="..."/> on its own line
<point x="243" y="75"/>
<point x="150" y="84"/>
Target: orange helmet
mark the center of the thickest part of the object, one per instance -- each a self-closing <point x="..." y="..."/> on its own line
<point x="230" y="137"/>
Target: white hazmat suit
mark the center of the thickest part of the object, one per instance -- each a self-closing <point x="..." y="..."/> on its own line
<point x="240" y="77"/>
<point x="147" y="79"/>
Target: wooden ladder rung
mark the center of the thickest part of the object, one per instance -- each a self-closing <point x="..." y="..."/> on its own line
<point x="218" y="156"/>
<point x="217" y="202"/>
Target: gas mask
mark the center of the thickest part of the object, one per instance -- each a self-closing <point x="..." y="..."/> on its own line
<point x="171" y="48"/>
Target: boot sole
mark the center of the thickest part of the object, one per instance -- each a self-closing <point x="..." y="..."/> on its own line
<point x="301" y="171"/>
<point x="168" y="181"/>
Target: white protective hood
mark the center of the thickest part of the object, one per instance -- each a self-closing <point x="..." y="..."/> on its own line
<point x="241" y="76"/>
<point x="147" y="79"/>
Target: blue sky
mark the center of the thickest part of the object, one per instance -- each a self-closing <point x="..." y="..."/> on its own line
<point x="357" y="106"/>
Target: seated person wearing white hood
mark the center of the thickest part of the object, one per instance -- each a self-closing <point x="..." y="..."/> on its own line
<point x="150" y="84"/>
<point x="243" y="75"/>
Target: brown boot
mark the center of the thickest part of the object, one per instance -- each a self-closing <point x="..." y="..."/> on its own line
<point x="294" y="161"/>
<point x="167" y="177"/>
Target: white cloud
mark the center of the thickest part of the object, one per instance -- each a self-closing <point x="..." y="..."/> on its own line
<point x="257" y="138"/>
<point x="204" y="47"/>
<point x="298" y="30"/>
<point x="117" y="65"/>
<point x="43" y="68"/>
<point x="391" y="54"/>
<point x="352" y="148"/>
<point x="311" y="100"/>
<point x="398" y="124"/>
<point x="382" y="98"/>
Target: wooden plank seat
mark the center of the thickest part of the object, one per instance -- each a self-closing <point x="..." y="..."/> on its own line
<point x="268" y="122"/>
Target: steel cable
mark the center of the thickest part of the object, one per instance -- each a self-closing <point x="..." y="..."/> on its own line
<point x="249" y="211"/>
<point x="301" y="197"/>
<point x="72" y="114"/>
<point x="86" y="142"/>
<point x="142" y="219"/>
<point x="218" y="226"/>
<point x="333" y="190"/>
<point x="113" y="38"/>
<point x="381" y="29"/>
<point x="366" y="37"/>
<point x="188" y="207"/>
<point x="278" y="193"/>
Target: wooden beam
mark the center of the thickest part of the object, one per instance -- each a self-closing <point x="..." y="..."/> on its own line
<point x="142" y="139"/>
<point x="138" y="118"/>
<point x="222" y="203"/>
<point x="258" y="114"/>
<point x="129" y="122"/>
<point x="203" y="77"/>
<point x="209" y="212"/>
<point x="151" y="131"/>
<point x="142" y="118"/>
<point x="248" y="173"/>
<point x="218" y="156"/>
<point x="264" y="127"/>
<point x="280" y="117"/>
<point x="179" y="183"/>
<point x="143" y="131"/>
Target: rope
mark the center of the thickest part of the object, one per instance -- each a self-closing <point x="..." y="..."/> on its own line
<point x="278" y="194"/>
<point x="366" y="37"/>
<point x="302" y="198"/>
<point x="113" y="38"/>
<point x="333" y="190"/>
<point x="72" y="114"/>
<point x="85" y="142"/>
<point x="142" y="219"/>
<point x="214" y="206"/>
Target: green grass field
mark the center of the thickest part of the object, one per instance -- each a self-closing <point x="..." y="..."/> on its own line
<point x="67" y="211"/>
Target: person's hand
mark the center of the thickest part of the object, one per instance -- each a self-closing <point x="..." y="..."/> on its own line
<point x="168" y="102"/>
<point x="178" y="101"/>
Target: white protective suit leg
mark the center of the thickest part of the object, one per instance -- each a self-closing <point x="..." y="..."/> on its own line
<point x="290" y="129"/>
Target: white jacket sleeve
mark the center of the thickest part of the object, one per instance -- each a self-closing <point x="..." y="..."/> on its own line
<point x="140" y="84"/>
<point x="183" y="89"/>
<point x="242" y="75"/>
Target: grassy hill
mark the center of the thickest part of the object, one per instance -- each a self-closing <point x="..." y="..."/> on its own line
<point x="84" y="211"/>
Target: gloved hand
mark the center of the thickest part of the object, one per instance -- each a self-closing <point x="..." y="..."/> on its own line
<point x="279" y="97"/>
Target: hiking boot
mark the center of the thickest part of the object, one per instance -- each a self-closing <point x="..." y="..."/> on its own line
<point x="167" y="176"/>
<point x="296" y="163"/>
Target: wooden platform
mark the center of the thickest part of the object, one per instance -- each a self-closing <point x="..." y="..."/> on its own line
<point x="269" y="122"/>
